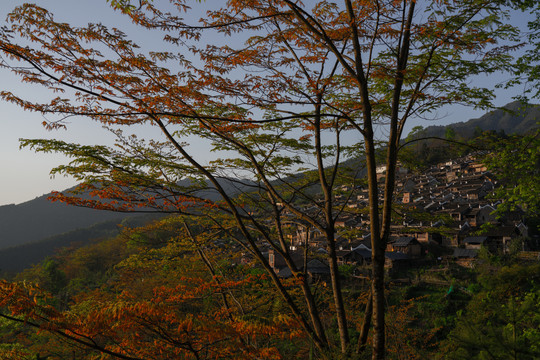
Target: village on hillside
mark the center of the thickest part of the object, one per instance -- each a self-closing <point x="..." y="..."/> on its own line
<point x="444" y="215"/>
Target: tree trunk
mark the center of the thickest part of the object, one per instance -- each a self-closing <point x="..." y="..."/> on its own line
<point x="377" y="288"/>
<point x="377" y="250"/>
<point x="364" y="331"/>
<point x="338" y="298"/>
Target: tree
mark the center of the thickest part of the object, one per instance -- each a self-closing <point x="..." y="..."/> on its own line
<point x="159" y="304"/>
<point x="282" y="102"/>
<point x="502" y="319"/>
<point x="450" y="133"/>
<point x="516" y="159"/>
<point x="527" y="69"/>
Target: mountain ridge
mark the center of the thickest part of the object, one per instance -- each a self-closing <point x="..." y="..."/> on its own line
<point x="512" y="118"/>
<point x="39" y="219"/>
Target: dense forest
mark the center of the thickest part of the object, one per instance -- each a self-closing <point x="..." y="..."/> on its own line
<point x="296" y="220"/>
<point x="169" y="288"/>
<point x="147" y="293"/>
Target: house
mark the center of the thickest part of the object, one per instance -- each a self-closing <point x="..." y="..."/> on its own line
<point x="451" y="238"/>
<point x="513" y="217"/>
<point x="455" y="211"/>
<point x="472" y="217"/>
<point x="395" y="260"/>
<point x="406" y="245"/>
<point x="345" y="257"/>
<point x="478" y="167"/>
<point x="425" y="237"/>
<point x="485" y="215"/>
<point x="500" y="237"/>
<point x="346" y="221"/>
<point x="409" y="185"/>
<point x="452" y="175"/>
<point x="315" y="269"/>
<point x="475" y="242"/>
<point x="407" y="197"/>
<point x="348" y="244"/>
<point x="465" y="257"/>
<point x="358" y="256"/>
<point x="277" y="262"/>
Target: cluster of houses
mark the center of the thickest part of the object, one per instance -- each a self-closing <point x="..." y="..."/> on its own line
<point x="444" y="214"/>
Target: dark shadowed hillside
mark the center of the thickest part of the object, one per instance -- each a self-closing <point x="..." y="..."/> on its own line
<point x="17" y="258"/>
<point x="39" y="218"/>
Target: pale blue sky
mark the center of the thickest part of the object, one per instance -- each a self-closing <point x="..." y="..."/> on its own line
<point x="24" y="174"/>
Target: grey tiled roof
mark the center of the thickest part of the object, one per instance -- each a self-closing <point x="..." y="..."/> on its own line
<point x="403" y="241"/>
<point x="475" y="240"/>
<point x="396" y="255"/>
<point x="465" y="253"/>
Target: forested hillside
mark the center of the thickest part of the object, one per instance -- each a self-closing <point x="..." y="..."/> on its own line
<point x="512" y="118"/>
<point x="158" y="290"/>
<point x="17" y="258"/>
<point x="40" y="218"/>
<point x="399" y="257"/>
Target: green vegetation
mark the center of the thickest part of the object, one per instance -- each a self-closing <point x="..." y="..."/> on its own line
<point x="490" y="312"/>
<point x="517" y="162"/>
<point x="300" y="88"/>
<point x="502" y="319"/>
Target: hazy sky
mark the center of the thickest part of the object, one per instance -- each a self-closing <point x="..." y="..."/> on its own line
<point x="24" y="174"/>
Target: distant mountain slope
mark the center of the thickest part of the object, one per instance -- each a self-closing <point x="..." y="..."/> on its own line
<point x="17" y="258"/>
<point x="39" y="218"/>
<point x="516" y="119"/>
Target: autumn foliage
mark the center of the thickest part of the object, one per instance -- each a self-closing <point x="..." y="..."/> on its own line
<point x="159" y="304"/>
<point x="277" y="88"/>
